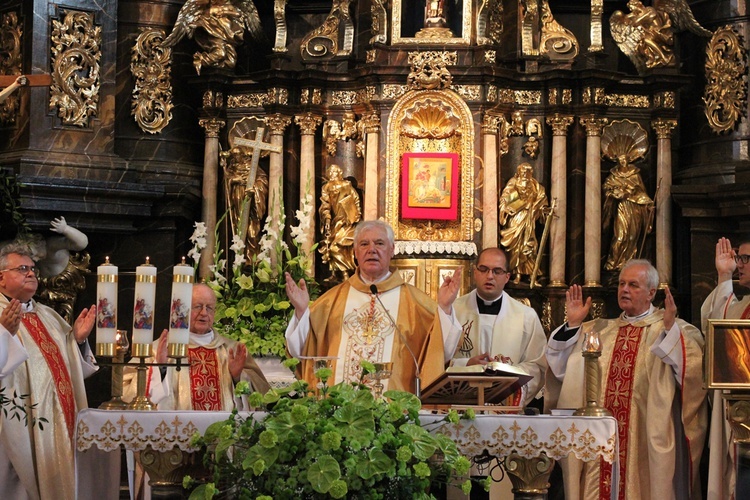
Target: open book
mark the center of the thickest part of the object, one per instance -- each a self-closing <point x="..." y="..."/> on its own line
<point x="491" y="368"/>
<point x="459" y="385"/>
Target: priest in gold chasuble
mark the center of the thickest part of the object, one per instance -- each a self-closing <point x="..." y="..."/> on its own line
<point x="351" y="323"/>
<point x="651" y="381"/>
<point x="36" y="462"/>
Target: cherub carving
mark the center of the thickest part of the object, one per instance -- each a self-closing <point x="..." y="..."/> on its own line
<point x="218" y="27"/>
<point x="646" y="34"/>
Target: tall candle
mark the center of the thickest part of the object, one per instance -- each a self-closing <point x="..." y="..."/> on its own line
<point x="145" y="300"/>
<point x="179" y="312"/>
<point x="106" y="307"/>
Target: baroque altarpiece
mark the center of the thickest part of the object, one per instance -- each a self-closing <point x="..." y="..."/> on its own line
<point x="627" y="121"/>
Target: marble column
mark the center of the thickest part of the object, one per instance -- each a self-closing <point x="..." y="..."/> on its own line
<point x="210" y="185"/>
<point x="490" y="190"/>
<point x="277" y="124"/>
<point x="559" y="124"/>
<point x="372" y="129"/>
<point x="593" y="202"/>
<point x="308" y="123"/>
<point x="663" y="199"/>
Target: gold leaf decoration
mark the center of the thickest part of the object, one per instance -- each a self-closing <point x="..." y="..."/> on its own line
<point x="430" y="119"/>
<point x="726" y="80"/>
<point x="624" y="137"/>
<point x="152" y="93"/>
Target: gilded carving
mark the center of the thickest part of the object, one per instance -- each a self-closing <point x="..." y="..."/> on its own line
<point x="308" y="123"/>
<point x="559" y="123"/>
<point x="431" y="35"/>
<point x="534" y="126"/>
<point x="349" y="128"/>
<point x="430" y="119"/>
<point x="379" y="21"/>
<point x="370" y="56"/>
<point x="529" y="26"/>
<point x="491" y="123"/>
<point x="393" y="91"/>
<point x="664" y="100"/>
<point x="531" y="147"/>
<point x="523" y="97"/>
<point x="490" y="56"/>
<point x="252" y="100"/>
<point x="218" y="27"/>
<point x="76" y="52"/>
<point x="212" y="126"/>
<point x="552" y="96"/>
<point x="516" y="123"/>
<point x="304" y="96"/>
<point x="429" y="70"/>
<point x="335" y="37"/>
<point x="277" y="123"/>
<point x="492" y="93"/>
<point x="557" y="42"/>
<point x="663" y="127"/>
<point x="593" y="125"/>
<point x="625" y="100"/>
<point x="279" y="17"/>
<point x="726" y="80"/>
<point x="597" y="8"/>
<point x="317" y="96"/>
<point x="278" y="95"/>
<point x="344" y="97"/>
<point x="10" y="62"/>
<point x="468" y="92"/>
<point x="150" y="65"/>
<point x="489" y="22"/>
<point x="567" y="96"/>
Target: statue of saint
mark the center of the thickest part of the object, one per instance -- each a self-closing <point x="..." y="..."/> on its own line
<point x="339" y="213"/>
<point x="434" y="14"/>
<point x="522" y="203"/>
<point x="237" y="163"/>
<point x="627" y="203"/>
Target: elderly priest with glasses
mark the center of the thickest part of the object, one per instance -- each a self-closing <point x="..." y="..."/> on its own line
<point x="375" y="316"/>
<point x="37" y="462"/>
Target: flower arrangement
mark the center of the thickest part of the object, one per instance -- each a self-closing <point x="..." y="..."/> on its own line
<point x="346" y="443"/>
<point x="252" y="306"/>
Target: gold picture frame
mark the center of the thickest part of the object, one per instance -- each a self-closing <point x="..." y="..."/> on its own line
<point x="727" y="355"/>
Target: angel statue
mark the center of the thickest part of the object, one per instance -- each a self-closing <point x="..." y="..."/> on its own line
<point x="339" y="214"/>
<point x="646" y="34"/>
<point x="218" y="27"/>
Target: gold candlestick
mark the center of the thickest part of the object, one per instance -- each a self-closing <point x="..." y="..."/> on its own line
<point x="118" y="362"/>
<point x="591" y="353"/>
<point x="141" y="401"/>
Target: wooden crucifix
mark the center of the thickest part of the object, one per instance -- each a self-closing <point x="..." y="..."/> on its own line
<point x="257" y="146"/>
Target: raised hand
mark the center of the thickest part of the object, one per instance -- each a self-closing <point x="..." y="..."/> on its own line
<point x="10" y="318"/>
<point x="449" y="291"/>
<point x="58" y="225"/>
<point x="725" y="264"/>
<point x="577" y="308"/>
<point x="84" y="324"/>
<point x="670" y="310"/>
<point x="237" y="357"/>
<point x="297" y="294"/>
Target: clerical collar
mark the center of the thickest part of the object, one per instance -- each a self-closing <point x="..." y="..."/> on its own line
<point x="488" y="306"/>
<point x="26" y="307"/>
<point x="640" y="316"/>
<point x="202" y="339"/>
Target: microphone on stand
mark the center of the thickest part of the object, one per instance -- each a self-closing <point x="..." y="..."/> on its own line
<point x="417" y="380"/>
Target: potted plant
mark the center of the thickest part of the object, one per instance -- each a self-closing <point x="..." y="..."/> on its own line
<point x="342" y="443"/>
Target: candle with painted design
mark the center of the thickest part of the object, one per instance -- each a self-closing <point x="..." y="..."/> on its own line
<point x="106" y="308"/>
<point x="143" y="309"/>
<point x="179" y="312"/>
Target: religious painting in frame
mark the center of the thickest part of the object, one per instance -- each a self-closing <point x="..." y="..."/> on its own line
<point x="727" y="357"/>
<point x="429" y="186"/>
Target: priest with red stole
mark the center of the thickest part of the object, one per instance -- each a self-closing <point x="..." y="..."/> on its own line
<point x="37" y="462"/>
<point x="651" y="381"/>
<point x="375" y="316"/>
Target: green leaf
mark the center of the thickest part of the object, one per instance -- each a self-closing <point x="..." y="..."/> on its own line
<point x="358" y="421"/>
<point x="323" y="472"/>
<point x="424" y="444"/>
<point x="257" y="453"/>
<point x="377" y="463"/>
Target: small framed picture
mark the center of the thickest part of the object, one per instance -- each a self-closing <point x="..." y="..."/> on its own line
<point x="429" y="186"/>
<point x="727" y="356"/>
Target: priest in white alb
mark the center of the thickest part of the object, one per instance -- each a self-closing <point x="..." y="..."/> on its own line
<point x="375" y="316"/>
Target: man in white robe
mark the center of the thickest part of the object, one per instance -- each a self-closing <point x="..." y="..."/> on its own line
<point x="651" y="381"/>
<point x="351" y="323"/>
<point x="722" y="303"/>
<point x="12" y="351"/>
<point x="497" y="327"/>
<point x="37" y="463"/>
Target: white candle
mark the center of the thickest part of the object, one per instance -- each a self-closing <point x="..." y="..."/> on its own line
<point x="145" y="300"/>
<point x="179" y="312"/>
<point x="106" y="303"/>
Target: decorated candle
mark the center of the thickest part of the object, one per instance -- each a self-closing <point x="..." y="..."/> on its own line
<point x="145" y="299"/>
<point x="179" y="311"/>
<point x="106" y="308"/>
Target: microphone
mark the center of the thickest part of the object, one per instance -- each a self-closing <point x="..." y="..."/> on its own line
<point x="417" y="380"/>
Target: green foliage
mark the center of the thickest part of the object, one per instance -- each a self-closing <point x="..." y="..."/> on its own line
<point x="345" y="444"/>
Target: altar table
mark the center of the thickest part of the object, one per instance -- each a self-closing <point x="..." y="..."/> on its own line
<point x="528" y="444"/>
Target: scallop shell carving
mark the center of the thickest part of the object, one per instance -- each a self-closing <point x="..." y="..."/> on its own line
<point x="624" y="137"/>
<point x="246" y="128"/>
<point x="430" y="119"/>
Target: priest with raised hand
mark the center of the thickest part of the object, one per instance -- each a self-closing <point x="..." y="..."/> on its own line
<point x="375" y="316"/>
<point x="37" y="462"/>
<point x="651" y="382"/>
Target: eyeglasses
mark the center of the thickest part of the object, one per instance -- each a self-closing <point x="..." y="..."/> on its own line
<point x="199" y="307"/>
<point x="744" y="258"/>
<point x="497" y="271"/>
<point x="21" y="269"/>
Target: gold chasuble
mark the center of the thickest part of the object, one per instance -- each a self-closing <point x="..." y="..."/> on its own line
<point x="371" y="336"/>
<point x="53" y="379"/>
<point x="661" y="424"/>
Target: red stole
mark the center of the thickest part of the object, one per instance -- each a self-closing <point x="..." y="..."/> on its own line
<point x="618" y="396"/>
<point x="59" y="371"/>
<point x="205" y="386"/>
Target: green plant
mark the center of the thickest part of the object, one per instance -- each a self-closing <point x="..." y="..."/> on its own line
<point x="252" y="306"/>
<point x="344" y="443"/>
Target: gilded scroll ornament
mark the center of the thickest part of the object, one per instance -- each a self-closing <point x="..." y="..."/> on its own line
<point x="335" y="37"/>
<point x="76" y="52"/>
<point x="150" y="65"/>
<point x="726" y="80"/>
<point x="429" y="70"/>
<point x="489" y="22"/>
<point x="348" y="129"/>
<point x="218" y="27"/>
<point x="279" y="17"/>
<point x="557" y="43"/>
<point x="379" y="21"/>
<point x="10" y="63"/>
